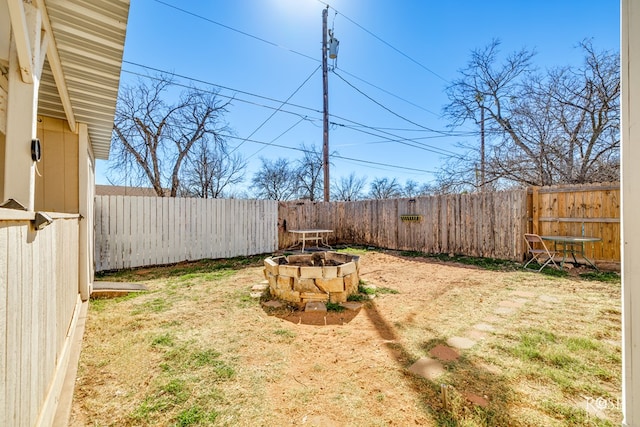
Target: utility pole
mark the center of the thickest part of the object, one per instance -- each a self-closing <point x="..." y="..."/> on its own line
<point x="325" y="99"/>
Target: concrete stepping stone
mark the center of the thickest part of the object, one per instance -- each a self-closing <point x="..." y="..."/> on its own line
<point x="510" y="304"/>
<point x="273" y="304"/>
<point x="477" y="335"/>
<point x="462" y="343"/>
<point x="115" y="289"/>
<point x="504" y="310"/>
<point x="315" y="306"/>
<point x="475" y="399"/>
<point x="522" y="301"/>
<point x="260" y="287"/>
<point x="485" y="327"/>
<point x="444" y="353"/>
<point x="427" y="368"/>
<point x="548" y="298"/>
<point x="351" y="305"/>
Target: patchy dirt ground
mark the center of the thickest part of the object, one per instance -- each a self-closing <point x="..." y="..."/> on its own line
<point x="197" y="350"/>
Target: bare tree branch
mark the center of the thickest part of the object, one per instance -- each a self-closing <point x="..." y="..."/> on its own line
<point x="152" y="138"/>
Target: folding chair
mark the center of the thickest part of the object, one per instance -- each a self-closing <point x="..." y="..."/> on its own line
<point x="539" y="252"/>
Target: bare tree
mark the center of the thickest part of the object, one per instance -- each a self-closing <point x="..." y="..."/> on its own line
<point x="210" y="169"/>
<point x="152" y="138"/>
<point x="348" y="188"/>
<point x="276" y="180"/>
<point x="385" y="188"/>
<point x="309" y="173"/>
<point x="428" y="189"/>
<point x="544" y="129"/>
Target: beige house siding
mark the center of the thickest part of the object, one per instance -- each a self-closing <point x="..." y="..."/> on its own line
<point x="57" y="184"/>
<point x="59" y="83"/>
<point x="2" y="142"/>
<point x="630" y="155"/>
<point x="38" y="304"/>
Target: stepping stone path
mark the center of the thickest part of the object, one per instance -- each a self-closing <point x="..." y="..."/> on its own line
<point x="486" y="327"/>
<point x="511" y="304"/>
<point x="353" y="306"/>
<point x="273" y="304"/>
<point x="461" y="343"/>
<point x="431" y="368"/>
<point x="316" y="307"/>
<point x="444" y="353"/>
<point x="475" y="399"/>
<point x="548" y="298"/>
<point x="476" y="335"/>
<point x="428" y="368"/>
<point x="259" y="289"/>
<point x="115" y="289"/>
<point x="504" y="310"/>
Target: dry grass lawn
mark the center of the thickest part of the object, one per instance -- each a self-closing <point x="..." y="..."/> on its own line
<point x="198" y="350"/>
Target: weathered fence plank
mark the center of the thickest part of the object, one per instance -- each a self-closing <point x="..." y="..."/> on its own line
<point x="142" y="231"/>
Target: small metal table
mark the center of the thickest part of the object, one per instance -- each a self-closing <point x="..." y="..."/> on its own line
<point x="311" y="235"/>
<point x="572" y="245"/>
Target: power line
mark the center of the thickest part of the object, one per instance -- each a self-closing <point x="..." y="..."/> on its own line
<point x="391" y="94"/>
<point x="385" y="168"/>
<point x="304" y="55"/>
<point x="381" y="105"/>
<point x="442" y="133"/>
<point x="387" y="43"/>
<point x="403" y="141"/>
<point x="392" y="137"/>
<point x="335" y="156"/>
<point x="278" y="109"/>
<point x="276" y="138"/>
<point x="193" y="79"/>
<point x="244" y="33"/>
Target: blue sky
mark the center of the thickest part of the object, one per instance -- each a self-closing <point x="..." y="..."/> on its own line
<point x="401" y="53"/>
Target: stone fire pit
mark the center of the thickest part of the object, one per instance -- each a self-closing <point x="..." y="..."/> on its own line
<point x="317" y="277"/>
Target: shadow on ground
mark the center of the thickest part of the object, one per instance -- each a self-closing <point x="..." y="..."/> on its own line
<point x="301" y="317"/>
<point x="465" y="382"/>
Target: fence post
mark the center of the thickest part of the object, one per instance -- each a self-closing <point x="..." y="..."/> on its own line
<point x="535" y="210"/>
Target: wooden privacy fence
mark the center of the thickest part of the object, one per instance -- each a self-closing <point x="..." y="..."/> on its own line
<point x="479" y="224"/>
<point x="142" y="231"/>
<point x="579" y="210"/>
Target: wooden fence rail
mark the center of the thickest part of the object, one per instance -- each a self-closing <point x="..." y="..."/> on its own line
<point x="142" y="231"/>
